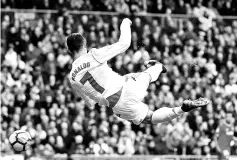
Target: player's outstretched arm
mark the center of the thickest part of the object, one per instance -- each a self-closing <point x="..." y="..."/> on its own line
<point x="106" y="53"/>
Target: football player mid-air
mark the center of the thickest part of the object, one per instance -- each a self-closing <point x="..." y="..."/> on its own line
<point x="95" y="82"/>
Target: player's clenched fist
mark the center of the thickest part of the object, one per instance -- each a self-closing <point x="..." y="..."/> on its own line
<point x="125" y="22"/>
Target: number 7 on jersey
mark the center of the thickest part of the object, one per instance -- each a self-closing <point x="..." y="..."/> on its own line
<point x="88" y="77"/>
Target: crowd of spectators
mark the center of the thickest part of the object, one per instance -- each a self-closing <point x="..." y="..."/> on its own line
<point x="36" y="96"/>
<point x="224" y="7"/>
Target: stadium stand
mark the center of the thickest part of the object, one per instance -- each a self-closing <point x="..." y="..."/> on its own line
<point x="200" y="54"/>
<point x="224" y="7"/>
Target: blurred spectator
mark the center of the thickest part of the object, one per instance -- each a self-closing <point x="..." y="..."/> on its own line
<point x="140" y="56"/>
<point x="158" y="7"/>
<point x="121" y="7"/>
<point x="225" y="135"/>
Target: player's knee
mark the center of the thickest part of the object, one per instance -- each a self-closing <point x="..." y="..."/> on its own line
<point x="154" y="72"/>
<point x="148" y="117"/>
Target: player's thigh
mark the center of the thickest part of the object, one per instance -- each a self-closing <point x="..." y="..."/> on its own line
<point x="147" y="119"/>
<point x="138" y="84"/>
<point x="130" y="107"/>
<point x="141" y="111"/>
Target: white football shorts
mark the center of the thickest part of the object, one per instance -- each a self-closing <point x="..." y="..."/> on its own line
<point x="130" y="105"/>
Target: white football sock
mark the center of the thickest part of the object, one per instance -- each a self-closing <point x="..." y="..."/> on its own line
<point x="166" y="114"/>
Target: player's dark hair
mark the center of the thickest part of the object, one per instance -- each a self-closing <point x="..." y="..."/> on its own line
<point x="75" y="42"/>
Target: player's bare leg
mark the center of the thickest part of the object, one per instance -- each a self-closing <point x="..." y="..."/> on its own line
<point x="166" y="114"/>
<point x="154" y="68"/>
<point x="151" y="74"/>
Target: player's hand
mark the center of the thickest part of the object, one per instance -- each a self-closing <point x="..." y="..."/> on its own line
<point x="127" y="20"/>
<point x="104" y="102"/>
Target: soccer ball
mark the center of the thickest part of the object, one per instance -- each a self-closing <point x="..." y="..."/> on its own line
<point x="20" y="140"/>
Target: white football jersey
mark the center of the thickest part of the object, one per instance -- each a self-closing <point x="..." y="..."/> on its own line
<point x="90" y="75"/>
<point x="93" y="79"/>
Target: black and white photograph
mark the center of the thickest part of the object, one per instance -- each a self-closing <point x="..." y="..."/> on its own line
<point x="118" y="80"/>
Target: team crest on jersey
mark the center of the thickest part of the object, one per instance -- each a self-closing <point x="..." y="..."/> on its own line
<point x="79" y="68"/>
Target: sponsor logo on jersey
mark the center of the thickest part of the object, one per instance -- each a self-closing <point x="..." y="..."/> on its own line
<point x="79" y="68"/>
